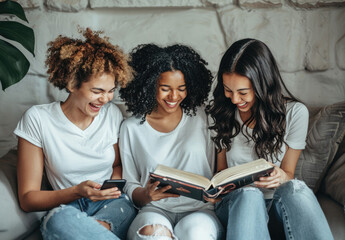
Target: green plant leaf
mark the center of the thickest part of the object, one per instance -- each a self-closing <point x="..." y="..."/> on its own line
<point x="19" y="33"/>
<point x="13" y="64"/>
<point x="11" y="7"/>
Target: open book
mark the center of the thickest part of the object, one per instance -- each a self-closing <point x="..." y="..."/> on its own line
<point x="196" y="186"/>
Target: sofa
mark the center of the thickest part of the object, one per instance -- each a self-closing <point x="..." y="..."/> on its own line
<point x="321" y="166"/>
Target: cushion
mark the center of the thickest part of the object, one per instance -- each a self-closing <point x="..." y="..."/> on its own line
<point x="334" y="182"/>
<point x="14" y="222"/>
<point x="326" y="131"/>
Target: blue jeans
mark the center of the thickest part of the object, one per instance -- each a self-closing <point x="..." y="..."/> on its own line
<point x="77" y="220"/>
<point x="244" y="213"/>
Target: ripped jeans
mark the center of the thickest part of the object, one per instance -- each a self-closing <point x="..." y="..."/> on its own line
<point x="197" y="225"/>
<point x="244" y="213"/>
<point x="77" y="220"/>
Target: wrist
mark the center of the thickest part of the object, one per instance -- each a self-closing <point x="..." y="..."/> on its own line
<point x="285" y="178"/>
<point x="148" y="197"/>
<point x="141" y="197"/>
<point x="76" y="192"/>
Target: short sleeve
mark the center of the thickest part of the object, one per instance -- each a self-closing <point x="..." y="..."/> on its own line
<point x="296" y="125"/>
<point x="29" y="127"/>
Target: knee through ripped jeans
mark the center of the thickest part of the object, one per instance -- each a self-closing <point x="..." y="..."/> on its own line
<point x="195" y="225"/>
<point x="77" y="220"/>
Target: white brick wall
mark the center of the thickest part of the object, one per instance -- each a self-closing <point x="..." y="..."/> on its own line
<point x="304" y="35"/>
<point x="317" y="3"/>
<point x="307" y="37"/>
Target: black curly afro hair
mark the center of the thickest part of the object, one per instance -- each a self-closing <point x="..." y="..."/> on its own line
<point x="149" y="61"/>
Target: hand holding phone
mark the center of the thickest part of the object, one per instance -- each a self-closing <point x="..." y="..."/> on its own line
<point x="110" y="183"/>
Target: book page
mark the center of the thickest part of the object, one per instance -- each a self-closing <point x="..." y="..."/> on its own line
<point x="242" y="170"/>
<point x="183" y="176"/>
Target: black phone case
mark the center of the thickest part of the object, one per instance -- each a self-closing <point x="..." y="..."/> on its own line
<point x="119" y="183"/>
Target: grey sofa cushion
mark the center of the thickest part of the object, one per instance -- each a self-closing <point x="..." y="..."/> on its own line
<point x="334" y="182"/>
<point x="326" y="131"/>
<point x="334" y="213"/>
<point x="14" y="223"/>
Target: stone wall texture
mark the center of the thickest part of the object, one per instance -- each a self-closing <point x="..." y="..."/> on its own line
<point x="307" y="37"/>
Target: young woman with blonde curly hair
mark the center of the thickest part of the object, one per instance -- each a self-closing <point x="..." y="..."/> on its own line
<point x="75" y="142"/>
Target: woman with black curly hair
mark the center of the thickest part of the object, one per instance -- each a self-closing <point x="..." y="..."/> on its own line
<point x="254" y="119"/>
<point x="169" y="127"/>
<point x="75" y="143"/>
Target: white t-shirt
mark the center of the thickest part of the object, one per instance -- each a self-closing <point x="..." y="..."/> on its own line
<point x="242" y="151"/>
<point x="188" y="147"/>
<point x="72" y="155"/>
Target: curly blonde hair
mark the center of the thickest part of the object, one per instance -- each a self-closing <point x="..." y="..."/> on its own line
<point x="71" y="62"/>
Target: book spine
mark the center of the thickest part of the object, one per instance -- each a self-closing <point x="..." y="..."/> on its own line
<point x="179" y="187"/>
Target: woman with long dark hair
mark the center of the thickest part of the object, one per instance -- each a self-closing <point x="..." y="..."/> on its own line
<point x="255" y="116"/>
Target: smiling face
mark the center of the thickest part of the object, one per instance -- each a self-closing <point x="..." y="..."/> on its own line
<point x="240" y="91"/>
<point x="93" y="94"/>
<point x="171" y="91"/>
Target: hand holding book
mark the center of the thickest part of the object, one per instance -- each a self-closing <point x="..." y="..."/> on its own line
<point x="150" y="192"/>
<point x="275" y="179"/>
<point x="196" y="186"/>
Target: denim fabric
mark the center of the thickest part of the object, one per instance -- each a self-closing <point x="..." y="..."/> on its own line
<point x="244" y="213"/>
<point x="77" y="220"/>
<point x="297" y="207"/>
<point x="197" y="225"/>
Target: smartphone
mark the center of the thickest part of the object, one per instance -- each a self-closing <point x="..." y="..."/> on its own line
<point x="110" y="183"/>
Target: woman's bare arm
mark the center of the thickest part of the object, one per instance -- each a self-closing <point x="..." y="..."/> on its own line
<point x="221" y="161"/>
<point x="117" y="166"/>
<point x="29" y="172"/>
<point x="284" y="173"/>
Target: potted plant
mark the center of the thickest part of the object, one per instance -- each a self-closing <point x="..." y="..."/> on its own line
<point x="13" y="64"/>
